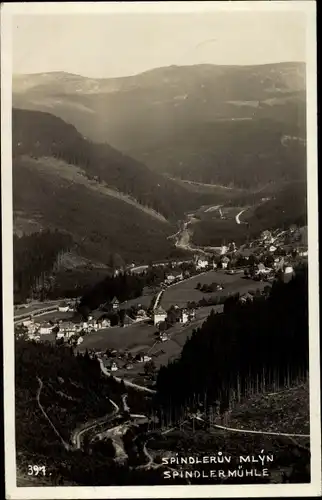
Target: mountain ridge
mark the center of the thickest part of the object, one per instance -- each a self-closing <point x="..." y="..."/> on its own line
<point x="146" y="115"/>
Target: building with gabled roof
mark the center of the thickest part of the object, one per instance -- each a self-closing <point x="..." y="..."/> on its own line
<point x="159" y="315"/>
<point x="115" y="303"/>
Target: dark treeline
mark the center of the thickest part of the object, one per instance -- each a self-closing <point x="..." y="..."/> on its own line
<point x="124" y="286"/>
<point x="248" y="348"/>
<point x="34" y="258"/>
<point x="288" y="206"/>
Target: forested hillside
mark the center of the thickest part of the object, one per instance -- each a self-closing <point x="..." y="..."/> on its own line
<point x="100" y="224"/>
<point x="52" y="383"/>
<point x="244" y="152"/>
<point x="34" y="257"/>
<point x="40" y="135"/>
<point x="247" y="349"/>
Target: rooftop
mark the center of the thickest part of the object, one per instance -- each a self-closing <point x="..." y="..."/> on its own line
<point x="159" y="310"/>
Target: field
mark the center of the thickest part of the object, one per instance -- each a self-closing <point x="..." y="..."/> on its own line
<point x="143" y="300"/>
<point x="185" y="291"/>
<point x="141" y="338"/>
<point x="54" y="316"/>
<point x="178" y="336"/>
<point x="140" y="335"/>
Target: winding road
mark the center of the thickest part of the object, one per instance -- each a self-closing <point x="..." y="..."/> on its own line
<point x="238" y="221"/>
<point x="78" y="433"/>
<point x="127" y="383"/>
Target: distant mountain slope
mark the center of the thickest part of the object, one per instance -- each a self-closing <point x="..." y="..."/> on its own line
<point x="247" y="153"/>
<point x="100" y="224"/>
<point x="281" y="208"/>
<point x="158" y="115"/>
<point x="40" y="135"/>
<point x="244" y="82"/>
<point x="107" y="201"/>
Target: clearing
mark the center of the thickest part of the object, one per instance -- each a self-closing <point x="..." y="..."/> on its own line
<point x="184" y="292"/>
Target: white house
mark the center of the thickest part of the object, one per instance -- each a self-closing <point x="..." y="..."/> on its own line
<point x="224" y="262"/>
<point x="103" y="323"/>
<point x="159" y="315"/>
<point x="28" y="322"/>
<point x="141" y="314"/>
<point x="80" y="340"/>
<point x="272" y="248"/>
<point x="303" y="253"/>
<point x="192" y="314"/>
<point x="146" y="358"/>
<point x="184" y="317"/>
<point x="30" y="325"/>
<point x="223" y="250"/>
<point x="288" y="273"/>
<point x="45" y="329"/>
<point x="115" y="304"/>
<point x="114" y="367"/>
<point x="67" y="326"/>
<point x="63" y="308"/>
<point x="202" y="263"/>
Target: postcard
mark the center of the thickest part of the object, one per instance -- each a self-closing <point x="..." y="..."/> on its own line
<point x="160" y="250"/>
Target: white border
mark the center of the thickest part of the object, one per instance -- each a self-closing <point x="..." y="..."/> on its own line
<point x="203" y="491"/>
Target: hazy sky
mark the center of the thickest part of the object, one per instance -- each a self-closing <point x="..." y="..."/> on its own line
<point x="113" y="45"/>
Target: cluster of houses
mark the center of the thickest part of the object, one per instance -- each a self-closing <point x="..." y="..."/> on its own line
<point x="115" y="360"/>
<point x="63" y="329"/>
<point x="204" y="263"/>
<point x="68" y="330"/>
<point x="183" y="315"/>
<point x="282" y="259"/>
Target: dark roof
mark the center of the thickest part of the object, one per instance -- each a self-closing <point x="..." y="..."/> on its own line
<point x="115" y="300"/>
<point x="159" y="310"/>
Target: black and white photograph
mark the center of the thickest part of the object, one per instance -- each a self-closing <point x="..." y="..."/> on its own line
<point x="160" y="250"/>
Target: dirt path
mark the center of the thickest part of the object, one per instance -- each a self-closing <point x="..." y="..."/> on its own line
<point x="126" y="382"/>
<point x="231" y="429"/>
<point x="41" y="385"/>
<point x="246" y="431"/>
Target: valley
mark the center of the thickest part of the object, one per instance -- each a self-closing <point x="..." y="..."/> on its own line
<point x="160" y="274"/>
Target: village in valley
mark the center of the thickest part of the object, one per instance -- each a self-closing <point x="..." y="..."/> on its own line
<point x="134" y="338"/>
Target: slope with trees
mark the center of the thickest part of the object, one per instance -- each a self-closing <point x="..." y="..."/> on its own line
<point x="249" y="348"/>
